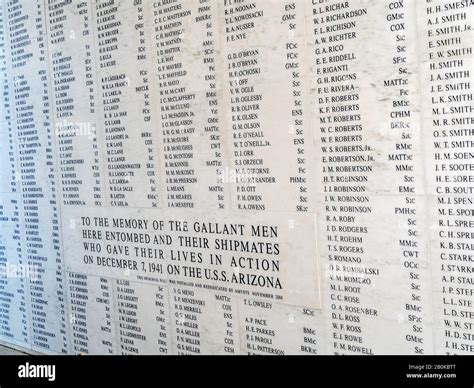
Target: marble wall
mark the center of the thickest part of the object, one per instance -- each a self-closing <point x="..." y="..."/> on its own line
<point x="237" y="176"/>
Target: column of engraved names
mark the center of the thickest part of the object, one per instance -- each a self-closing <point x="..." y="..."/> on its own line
<point x="187" y="98"/>
<point x="31" y="107"/>
<point x="8" y="182"/>
<point x="269" y="328"/>
<point x="264" y="53"/>
<point x="13" y="277"/>
<point x="127" y="127"/>
<point x="72" y="64"/>
<point x="141" y="312"/>
<point x="345" y="163"/>
<point x="204" y="322"/>
<point x="446" y="52"/>
<point x="91" y="314"/>
<point x="366" y="113"/>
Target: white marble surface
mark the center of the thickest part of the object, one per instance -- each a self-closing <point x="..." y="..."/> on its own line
<point x="238" y="177"/>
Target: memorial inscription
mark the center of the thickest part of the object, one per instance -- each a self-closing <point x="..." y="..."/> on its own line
<point x="237" y="176"/>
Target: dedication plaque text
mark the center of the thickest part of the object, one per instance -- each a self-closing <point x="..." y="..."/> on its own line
<point x="237" y="176"/>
